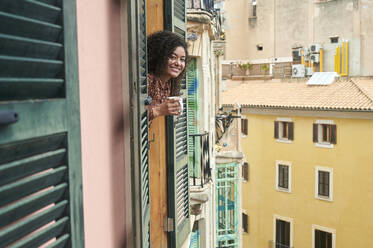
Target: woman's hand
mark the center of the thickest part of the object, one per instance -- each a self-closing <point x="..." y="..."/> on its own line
<point x="169" y="107"/>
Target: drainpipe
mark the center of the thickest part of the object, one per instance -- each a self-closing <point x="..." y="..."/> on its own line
<point x="321" y="60"/>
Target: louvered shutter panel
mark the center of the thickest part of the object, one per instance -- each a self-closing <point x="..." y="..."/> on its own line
<point x="276" y="129"/>
<point x="315" y="133"/>
<point x="40" y="158"/>
<point x="177" y="143"/>
<point x="140" y="122"/>
<point x="194" y="142"/>
<point x="333" y="134"/>
<point x="291" y="130"/>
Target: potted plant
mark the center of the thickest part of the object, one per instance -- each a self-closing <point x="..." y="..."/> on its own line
<point x="245" y="67"/>
<point x="265" y="68"/>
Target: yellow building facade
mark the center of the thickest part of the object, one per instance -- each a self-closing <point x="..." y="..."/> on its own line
<point x="310" y="168"/>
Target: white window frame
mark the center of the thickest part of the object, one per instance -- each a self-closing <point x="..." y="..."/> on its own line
<point x="287" y="219"/>
<point x="287" y="163"/>
<point x="319" y="133"/>
<point x="324" y="229"/>
<point x="282" y="139"/>
<point x="327" y="169"/>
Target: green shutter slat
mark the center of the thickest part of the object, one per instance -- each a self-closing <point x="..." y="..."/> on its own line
<point x="28" y="225"/>
<point x="29" y="88"/>
<point x="19" y="189"/>
<point x="20" y="209"/>
<point x="61" y="242"/>
<point x="57" y="3"/>
<point x="30" y="147"/>
<point x="29" y="67"/>
<point x="28" y="166"/>
<point x="44" y="235"/>
<point x="28" y="27"/>
<point x="23" y="47"/>
<point x="32" y="9"/>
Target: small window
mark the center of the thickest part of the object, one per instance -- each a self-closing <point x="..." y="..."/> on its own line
<point x="259" y="47"/>
<point x="324" y="183"/>
<point x="334" y="39"/>
<point x="284" y="130"/>
<point x="325" y="133"/>
<point x="245" y="171"/>
<point x="245" y="223"/>
<point x="254" y="8"/>
<point x="244" y="125"/>
<point x="323" y="237"/>
<point x="283" y="176"/>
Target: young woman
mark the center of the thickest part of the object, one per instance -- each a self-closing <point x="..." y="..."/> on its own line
<point x="167" y="58"/>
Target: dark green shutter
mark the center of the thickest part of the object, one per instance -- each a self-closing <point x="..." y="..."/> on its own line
<point x="140" y="144"/>
<point x="276" y="123"/>
<point x="177" y="143"/>
<point x="291" y="130"/>
<point x="193" y="128"/>
<point x="315" y="135"/>
<point x="40" y="155"/>
<point x="333" y="134"/>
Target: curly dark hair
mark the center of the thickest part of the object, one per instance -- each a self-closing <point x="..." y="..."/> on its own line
<point x="160" y="47"/>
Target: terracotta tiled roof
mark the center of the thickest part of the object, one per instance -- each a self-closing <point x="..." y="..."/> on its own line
<point x="355" y="95"/>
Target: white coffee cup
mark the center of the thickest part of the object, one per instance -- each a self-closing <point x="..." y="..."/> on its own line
<point x="180" y="99"/>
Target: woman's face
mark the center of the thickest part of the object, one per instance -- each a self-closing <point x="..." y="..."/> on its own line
<point x="176" y="62"/>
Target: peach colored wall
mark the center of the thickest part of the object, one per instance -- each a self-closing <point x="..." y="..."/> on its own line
<point x="101" y="102"/>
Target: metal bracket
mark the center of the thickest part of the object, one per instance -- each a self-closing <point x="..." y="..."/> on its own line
<point x="168" y="224"/>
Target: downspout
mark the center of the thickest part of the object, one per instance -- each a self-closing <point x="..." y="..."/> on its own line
<point x="321" y="60"/>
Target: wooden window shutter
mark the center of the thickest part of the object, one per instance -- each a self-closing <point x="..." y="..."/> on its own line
<point x="333" y="134"/>
<point x="193" y="128"/>
<point x="177" y="142"/>
<point x="245" y="171"/>
<point x="291" y="130"/>
<point x="244" y="127"/>
<point x="276" y="129"/>
<point x="40" y="155"/>
<point x="315" y="133"/>
<point x="140" y="122"/>
<point x="245" y="223"/>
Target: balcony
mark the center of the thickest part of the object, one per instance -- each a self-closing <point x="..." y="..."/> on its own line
<point x="200" y="159"/>
<point x="207" y="5"/>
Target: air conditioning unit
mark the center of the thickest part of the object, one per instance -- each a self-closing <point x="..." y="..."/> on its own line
<point x="315" y="58"/>
<point x="315" y="48"/>
<point x="298" y="71"/>
<point x="309" y="71"/>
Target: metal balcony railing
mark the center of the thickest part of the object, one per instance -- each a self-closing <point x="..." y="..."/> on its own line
<point x="203" y="140"/>
<point x="207" y="5"/>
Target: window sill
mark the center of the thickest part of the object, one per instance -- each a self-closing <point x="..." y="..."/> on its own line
<point x="286" y="141"/>
<point x="324" y="198"/>
<point x="283" y="190"/>
<point x="324" y="145"/>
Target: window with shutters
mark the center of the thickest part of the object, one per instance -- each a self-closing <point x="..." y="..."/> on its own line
<point x="245" y="171"/>
<point x="283" y="232"/>
<point x="227" y="205"/>
<point x="40" y="154"/>
<point x="323" y="237"/>
<point x="283" y="176"/>
<point x="325" y="133"/>
<point x="324" y="183"/>
<point x="245" y="223"/>
<point x="244" y="125"/>
<point x="284" y="130"/>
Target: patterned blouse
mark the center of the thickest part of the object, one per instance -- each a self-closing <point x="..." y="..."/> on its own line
<point x="158" y="91"/>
